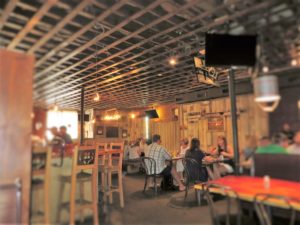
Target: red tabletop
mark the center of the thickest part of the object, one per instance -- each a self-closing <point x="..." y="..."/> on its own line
<point x="247" y="187"/>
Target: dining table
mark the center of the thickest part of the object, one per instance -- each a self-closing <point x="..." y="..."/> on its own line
<point x="248" y="187"/>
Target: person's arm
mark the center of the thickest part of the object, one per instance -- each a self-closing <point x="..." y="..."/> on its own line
<point x="166" y="154"/>
<point x="229" y="153"/>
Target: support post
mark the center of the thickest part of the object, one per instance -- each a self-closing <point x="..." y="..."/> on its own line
<point x="232" y="95"/>
<point x="82" y="117"/>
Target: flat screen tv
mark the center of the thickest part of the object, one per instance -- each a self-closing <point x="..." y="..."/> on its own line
<point x="152" y="114"/>
<point x="230" y="50"/>
<point x="112" y="132"/>
<point x="86" y="117"/>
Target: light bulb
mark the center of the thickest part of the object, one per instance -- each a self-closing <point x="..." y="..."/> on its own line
<point x="97" y="97"/>
<point x="294" y="62"/>
<point x="132" y="116"/>
<point x="172" y="61"/>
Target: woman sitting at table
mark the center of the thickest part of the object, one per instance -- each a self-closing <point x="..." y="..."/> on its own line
<point x="199" y="173"/>
<point x="184" y="146"/>
<point x="224" y="152"/>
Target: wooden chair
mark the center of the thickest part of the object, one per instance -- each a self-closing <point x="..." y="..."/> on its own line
<point x="41" y="165"/>
<point x="113" y="165"/>
<point x="84" y="158"/>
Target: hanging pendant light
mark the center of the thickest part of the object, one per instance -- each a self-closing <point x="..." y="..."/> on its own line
<point x="55" y="107"/>
<point x="266" y="92"/>
<point x="97" y="97"/>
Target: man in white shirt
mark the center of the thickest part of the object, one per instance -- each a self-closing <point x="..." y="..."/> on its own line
<point x="295" y="148"/>
<point x="161" y="155"/>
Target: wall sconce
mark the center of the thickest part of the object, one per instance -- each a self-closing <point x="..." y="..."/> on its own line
<point x="266" y="92"/>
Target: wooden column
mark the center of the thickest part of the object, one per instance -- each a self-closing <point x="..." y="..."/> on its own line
<point x="16" y="72"/>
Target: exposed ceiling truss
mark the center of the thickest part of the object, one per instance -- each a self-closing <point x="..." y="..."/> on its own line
<point x="121" y="48"/>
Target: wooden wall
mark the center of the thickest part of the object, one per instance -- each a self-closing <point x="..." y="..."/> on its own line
<point x="251" y="120"/>
<point x="16" y="72"/>
<point x="39" y="123"/>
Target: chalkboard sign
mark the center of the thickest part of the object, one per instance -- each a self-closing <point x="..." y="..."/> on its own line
<point x="112" y="132"/>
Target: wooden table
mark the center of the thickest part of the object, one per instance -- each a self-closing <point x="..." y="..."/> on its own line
<point x="247" y="187"/>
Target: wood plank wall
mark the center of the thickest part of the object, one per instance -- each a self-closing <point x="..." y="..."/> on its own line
<point x="16" y="72"/>
<point x="251" y="120"/>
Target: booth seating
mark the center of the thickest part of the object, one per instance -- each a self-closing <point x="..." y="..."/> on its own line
<point x="280" y="166"/>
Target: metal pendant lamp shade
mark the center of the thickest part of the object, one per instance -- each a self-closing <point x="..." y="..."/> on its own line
<point x="266" y="92"/>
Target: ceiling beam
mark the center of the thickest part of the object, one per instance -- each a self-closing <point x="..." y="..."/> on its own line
<point x="59" y="26"/>
<point x="10" y="6"/>
<point x="31" y="23"/>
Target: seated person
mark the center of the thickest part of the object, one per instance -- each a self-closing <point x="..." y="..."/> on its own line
<point x="278" y="145"/>
<point x="295" y="148"/>
<point x="64" y="135"/>
<point x="134" y="151"/>
<point x="199" y="173"/>
<point x="184" y="146"/>
<point x="248" y="152"/>
<point x="160" y="155"/>
<point x="223" y="150"/>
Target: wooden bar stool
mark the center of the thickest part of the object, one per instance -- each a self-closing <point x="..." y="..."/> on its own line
<point x="41" y="163"/>
<point x="113" y="166"/>
<point x="84" y="158"/>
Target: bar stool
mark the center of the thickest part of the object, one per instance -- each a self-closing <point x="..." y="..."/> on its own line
<point x="41" y="162"/>
<point x="84" y="158"/>
<point x="113" y="166"/>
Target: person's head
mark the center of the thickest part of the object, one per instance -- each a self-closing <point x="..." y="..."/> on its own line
<point x="297" y="138"/>
<point x="281" y="139"/>
<point x="156" y="138"/>
<point x="264" y="141"/>
<point x="286" y="127"/>
<point x="195" y="144"/>
<point x="63" y="130"/>
<point x="222" y="141"/>
<point x="54" y="131"/>
<point x="184" y="142"/>
<point x="149" y="141"/>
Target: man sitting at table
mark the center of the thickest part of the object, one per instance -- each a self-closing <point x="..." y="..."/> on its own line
<point x="280" y="142"/>
<point x="162" y="159"/>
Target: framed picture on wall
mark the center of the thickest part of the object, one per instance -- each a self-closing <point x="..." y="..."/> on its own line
<point x="216" y="123"/>
<point x="99" y="130"/>
<point x="124" y="133"/>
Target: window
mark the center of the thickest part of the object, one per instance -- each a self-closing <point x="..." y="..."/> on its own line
<point x="63" y="118"/>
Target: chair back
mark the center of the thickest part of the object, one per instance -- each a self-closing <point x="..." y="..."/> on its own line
<point x="194" y="172"/>
<point x="230" y="196"/>
<point x="41" y="160"/>
<point x="149" y="165"/>
<point x="263" y="209"/>
<point x="85" y="157"/>
<point x="102" y="148"/>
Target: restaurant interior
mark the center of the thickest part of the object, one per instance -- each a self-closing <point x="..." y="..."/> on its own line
<point x="155" y="112"/>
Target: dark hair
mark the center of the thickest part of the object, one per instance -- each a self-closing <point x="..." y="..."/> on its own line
<point x="195" y="144"/>
<point x="279" y="137"/>
<point x="63" y="127"/>
<point x="225" y="142"/>
<point x="149" y="141"/>
<point x="156" y="138"/>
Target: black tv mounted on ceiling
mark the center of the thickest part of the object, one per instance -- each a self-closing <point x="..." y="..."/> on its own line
<point x="230" y="50"/>
<point x="152" y="114"/>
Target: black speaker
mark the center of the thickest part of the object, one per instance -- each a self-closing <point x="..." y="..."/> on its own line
<point x="152" y="114"/>
<point x="230" y="50"/>
<point x="86" y="117"/>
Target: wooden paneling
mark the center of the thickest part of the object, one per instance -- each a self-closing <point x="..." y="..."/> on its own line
<point x="251" y="120"/>
<point x="169" y="132"/>
<point x="16" y="72"/>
